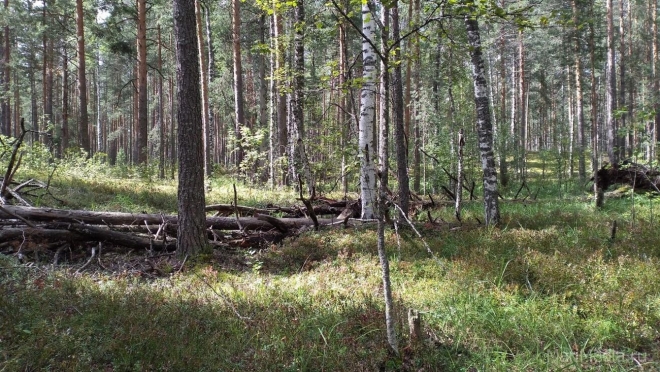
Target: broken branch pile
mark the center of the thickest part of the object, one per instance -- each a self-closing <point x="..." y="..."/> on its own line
<point x="28" y="228"/>
<point x="638" y="176"/>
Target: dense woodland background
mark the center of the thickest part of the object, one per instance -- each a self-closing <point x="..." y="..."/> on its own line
<point x="307" y="102"/>
<point x="573" y="81"/>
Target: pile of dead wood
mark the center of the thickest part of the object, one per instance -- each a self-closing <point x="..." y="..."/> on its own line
<point x="638" y="176"/>
<point x="28" y="228"/>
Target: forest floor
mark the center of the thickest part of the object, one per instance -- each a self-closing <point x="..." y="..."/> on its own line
<point x="550" y="289"/>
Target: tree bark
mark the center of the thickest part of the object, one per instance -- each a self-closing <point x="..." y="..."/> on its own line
<point x="598" y="191"/>
<point x="83" y="123"/>
<point x="64" y="144"/>
<point x="579" y="100"/>
<point x="384" y="129"/>
<point x="282" y="129"/>
<point x="161" y="111"/>
<point x="191" y="230"/>
<point x="239" y="100"/>
<point x="5" y="104"/>
<point x="656" y="81"/>
<point x="610" y="91"/>
<point x="484" y="125"/>
<point x="299" y="160"/>
<point x="522" y="106"/>
<point x="203" y="69"/>
<point x="366" y="150"/>
<point x="142" y="127"/>
<point x="400" y="136"/>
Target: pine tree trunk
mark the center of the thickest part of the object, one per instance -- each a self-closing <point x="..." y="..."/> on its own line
<point x="282" y="109"/>
<point x="83" y="122"/>
<point x="272" y="122"/>
<point x="64" y="144"/>
<point x="161" y="111"/>
<point x="656" y="81"/>
<point x="5" y="104"/>
<point x="191" y="232"/>
<point x="47" y="81"/>
<point x="610" y="91"/>
<point x="140" y="149"/>
<point x="210" y="78"/>
<point x="343" y="107"/>
<point x="484" y="125"/>
<point x="621" y="140"/>
<point x="239" y="100"/>
<point x="598" y="192"/>
<point x="203" y="69"/>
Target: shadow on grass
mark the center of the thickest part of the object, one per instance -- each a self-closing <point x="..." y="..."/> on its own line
<point x="54" y="321"/>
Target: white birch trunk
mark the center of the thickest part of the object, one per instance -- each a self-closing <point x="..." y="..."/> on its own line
<point x="366" y="151"/>
<point x="484" y="125"/>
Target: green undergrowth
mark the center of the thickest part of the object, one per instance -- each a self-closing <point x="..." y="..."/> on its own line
<point x="549" y="289"/>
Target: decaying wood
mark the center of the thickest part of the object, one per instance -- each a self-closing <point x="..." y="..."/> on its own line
<point x="638" y="176"/>
<point x="154" y="232"/>
<point x="121" y="218"/>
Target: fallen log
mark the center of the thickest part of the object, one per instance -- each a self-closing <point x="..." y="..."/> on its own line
<point x="37" y="234"/>
<point x="121" y="218"/>
<point x="114" y="237"/>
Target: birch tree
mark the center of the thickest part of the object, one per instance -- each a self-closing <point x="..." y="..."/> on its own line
<point x="366" y="151"/>
<point x="484" y="125"/>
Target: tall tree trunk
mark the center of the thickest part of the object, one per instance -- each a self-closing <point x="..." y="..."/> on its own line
<point x="484" y="125"/>
<point x="522" y="106"/>
<point x="366" y="150"/>
<point x="282" y="108"/>
<point x="272" y="123"/>
<point x="504" y="137"/>
<point x="598" y="192"/>
<point x="5" y="104"/>
<point x="47" y="81"/>
<point x="343" y="107"/>
<point x="414" y="103"/>
<point x="191" y="231"/>
<point x="610" y="91"/>
<point x="621" y="143"/>
<point x="383" y="156"/>
<point x="83" y="122"/>
<point x="299" y="157"/>
<point x="656" y="80"/>
<point x="161" y="111"/>
<point x="384" y="130"/>
<point x="97" y="95"/>
<point x="261" y="67"/>
<point x="203" y="69"/>
<point x="211" y="75"/>
<point x="142" y="124"/>
<point x="65" y="99"/>
<point x="459" y="174"/>
<point x="400" y="139"/>
<point x="239" y="100"/>
<point x="579" y="100"/>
